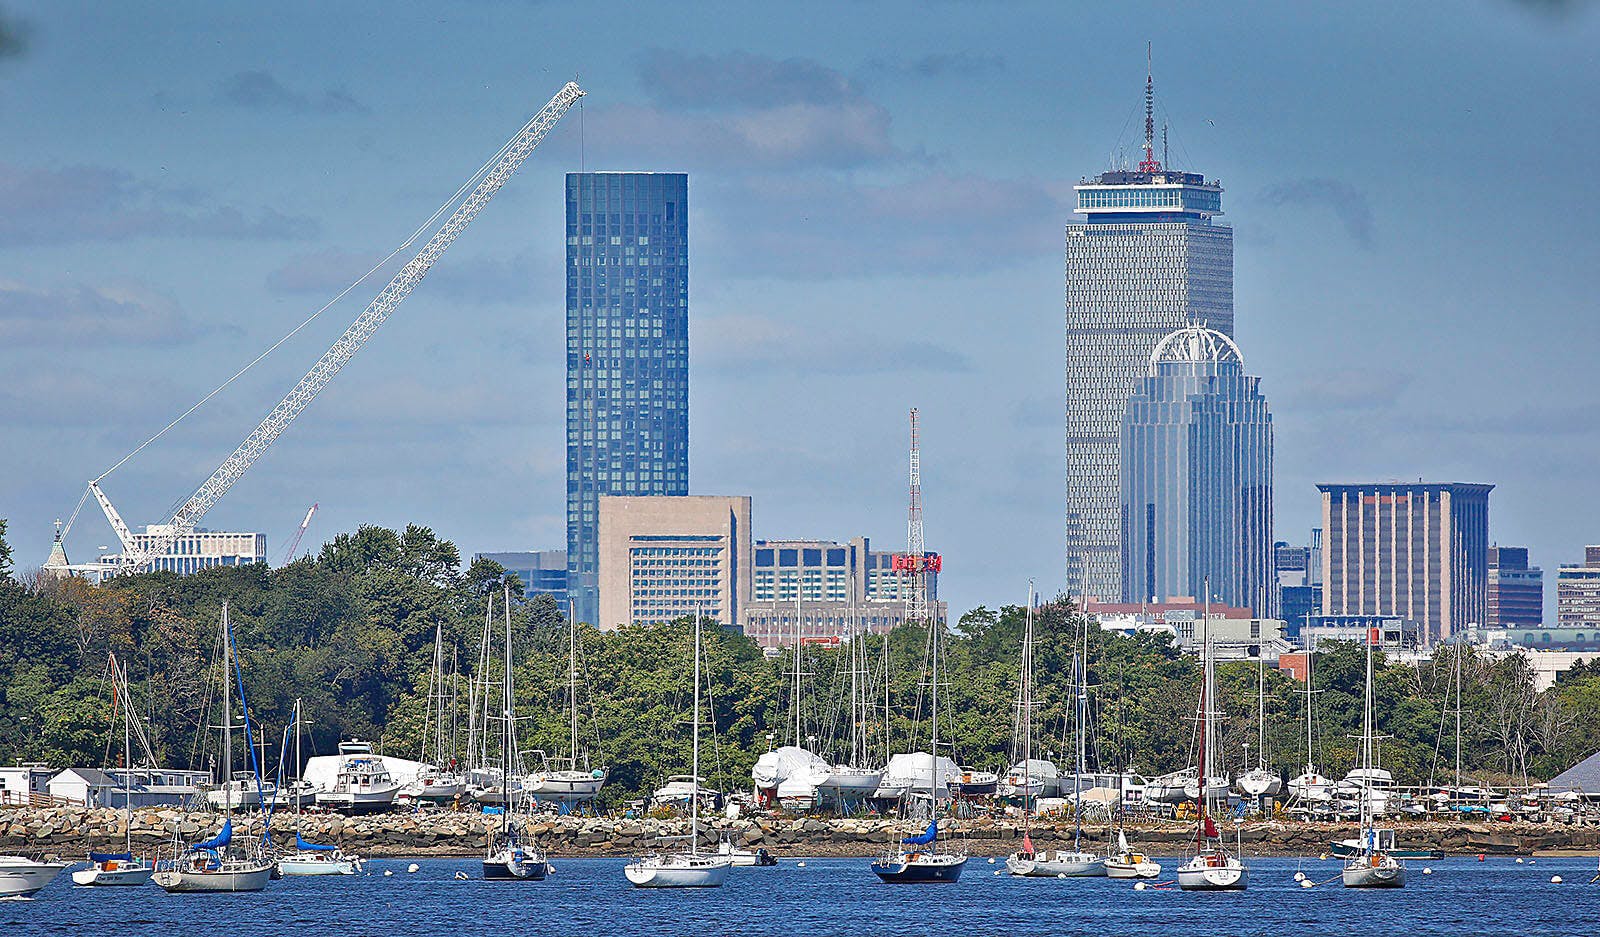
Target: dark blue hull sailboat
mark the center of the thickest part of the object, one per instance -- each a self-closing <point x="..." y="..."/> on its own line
<point x="914" y="865"/>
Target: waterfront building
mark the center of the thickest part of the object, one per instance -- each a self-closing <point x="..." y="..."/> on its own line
<point x="543" y="572"/>
<point x="827" y="590"/>
<point x="1418" y="552"/>
<point x="1578" y="592"/>
<point x="24" y="784"/>
<point x="627" y="353"/>
<point x="1516" y="590"/>
<point x="199" y="549"/>
<point x="1196" y="477"/>
<point x="1146" y="259"/>
<point x="661" y="558"/>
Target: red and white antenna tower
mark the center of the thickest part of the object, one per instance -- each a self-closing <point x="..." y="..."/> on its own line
<point x="1150" y="164"/>
<point x="915" y="566"/>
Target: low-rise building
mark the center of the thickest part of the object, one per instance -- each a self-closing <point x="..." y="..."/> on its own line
<point x="24" y="784"/>
<point x="113" y="787"/>
<point x="821" y="590"/>
<point x="1393" y="634"/>
<point x="200" y="549"/>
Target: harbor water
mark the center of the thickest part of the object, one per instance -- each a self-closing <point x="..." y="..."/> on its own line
<point x="1461" y="897"/>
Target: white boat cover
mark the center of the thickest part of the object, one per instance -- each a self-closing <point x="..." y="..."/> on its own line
<point x="916" y="772"/>
<point x="778" y="765"/>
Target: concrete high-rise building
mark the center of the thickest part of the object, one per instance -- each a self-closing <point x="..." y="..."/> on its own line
<point x="1196" y="477"/>
<point x="827" y="589"/>
<point x="1516" y="590"/>
<point x="627" y="353"/>
<point x="1145" y="260"/>
<point x="1578" y="592"/>
<point x="1411" y="551"/>
<point x="662" y="558"/>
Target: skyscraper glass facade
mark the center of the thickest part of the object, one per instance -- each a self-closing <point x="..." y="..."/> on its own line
<point x="1196" y="478"/>
<point x="1146" y="260"/>
<point x="627" y="353"/>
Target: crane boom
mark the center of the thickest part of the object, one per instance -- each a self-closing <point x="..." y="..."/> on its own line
<point x="294" y="545"/>
<point x="354" y="337"/>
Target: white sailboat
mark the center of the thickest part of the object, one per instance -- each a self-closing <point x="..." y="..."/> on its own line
<point x="1311" y="787"/>
<point x="1128" y="863"/>
<point x="1373" y="866"/>
<point x="571" y="784"/>
<point x="311" y="858"/>
<point x="685" y="869"/>
<point x="1260" y="781"/>
<point x="1211" y="868"/>
<point x="218" y="864"/>
<point x="1076" y="862"/>
<point x="436" y="781"/>
<point x="789" y="776"/>
<point x="509" y="858"/>
<point x="119" y="868"/>
<point x="852" y="783"/>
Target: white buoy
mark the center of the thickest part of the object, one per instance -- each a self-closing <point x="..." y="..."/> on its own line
<point x="388" y="872"/>
<point x="462" y="876"/>
<point x="1299" y="876"/>
<point x="1519" y="860"/>
<point x="412" y="868"/>
<point x="1555" y="880"/>
<point x="1427" y="870"/>
<point x="991" y="861"/>
<point x="800" y="865"/>
<point x="1138" y="886"/>
<point x="1061" y="875"/>
<point x="997" y="871"/>
<point x="1307" y="883"/>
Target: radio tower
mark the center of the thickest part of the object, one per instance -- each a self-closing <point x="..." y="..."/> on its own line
<point x="1150" y="164"/>
<point x="916" y="572"/>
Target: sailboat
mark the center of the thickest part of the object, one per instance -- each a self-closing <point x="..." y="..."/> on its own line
<point x="1126" y="863"/>
<point x="685" y="869"/>
<point x="852" y="782"/>
<point x="1211" y="868"/>
<point x="919" y="864"/>
<point x="119" y="868"/>
<point x="508" y="857"/>
<point x="788" y="776"/>
<point x="436" y="781"/>
<point x="1310" y="787"/>
<point x="1373" y="866"/>
<point x="571" y="784"/>
<point x="312" y="858"/>
<point x="1075" y="862"/>
<point x="217" y="864"/>
<point x="1260" y="781"/>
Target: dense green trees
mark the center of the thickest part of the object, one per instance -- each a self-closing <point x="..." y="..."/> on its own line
<point x="351" y="631"/>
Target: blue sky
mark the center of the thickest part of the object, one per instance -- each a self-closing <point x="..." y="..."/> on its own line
<point x="877" y="196"/>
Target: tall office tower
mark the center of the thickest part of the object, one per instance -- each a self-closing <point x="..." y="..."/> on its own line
<point x="1516" y="590"/>
<point x="1413" y="551"/>
<point x="1196" y="478"/>
<point x="627" y="353"/>
<point x="1145" y="261"/>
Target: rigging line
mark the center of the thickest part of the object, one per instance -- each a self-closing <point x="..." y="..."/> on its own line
<point x="464" y="188"/>
<point x="74" y="516"/>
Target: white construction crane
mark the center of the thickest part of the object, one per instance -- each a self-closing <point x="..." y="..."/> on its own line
<point x="136" y="555"/>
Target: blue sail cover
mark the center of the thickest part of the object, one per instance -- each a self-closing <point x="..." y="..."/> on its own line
<point x="303" y="845"/>
<point x="927" y="836"/>
<point x="110" y="857"/>
<point x="224" y="837"/>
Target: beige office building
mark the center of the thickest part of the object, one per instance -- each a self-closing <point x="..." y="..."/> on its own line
<point x="664" y="557"/>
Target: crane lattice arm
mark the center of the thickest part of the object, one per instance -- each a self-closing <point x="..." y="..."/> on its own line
<point x="232" y="468"/>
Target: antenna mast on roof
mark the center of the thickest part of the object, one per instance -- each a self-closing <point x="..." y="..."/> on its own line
<point x="1150" y="164"/>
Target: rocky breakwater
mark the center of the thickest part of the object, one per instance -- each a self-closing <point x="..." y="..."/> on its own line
<point x="70" y="831"/>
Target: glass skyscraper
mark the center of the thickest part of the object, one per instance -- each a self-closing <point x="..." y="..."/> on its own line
<point x="1196" y="478"/>
<point x="627" y="353"/>
<point x="1146" y="260"/>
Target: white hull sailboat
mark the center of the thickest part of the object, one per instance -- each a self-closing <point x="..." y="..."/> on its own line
<point x="1060" y="863"/>
<point x="1126" y="863"/>
<point x="1375" y="865"/>
<point x="509" y="858"/>
<point x="684" y="869"/>
<point x="1211" y="868"/>
<point x="119" y="868"/>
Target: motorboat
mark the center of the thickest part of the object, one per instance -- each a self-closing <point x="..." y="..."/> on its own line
<point x="680" y="789"/>
<point x="363" y="785"/>
<point x="21" y="876"/>
<point x="740" y="857"/>
<point x="432" y="785"/>
<point x="970" y="782"/>
<point x="241" y="792"/>
<point x="317" y="859"/>
<point x="1059" y="863"/>
<point x="1032" y="778"/>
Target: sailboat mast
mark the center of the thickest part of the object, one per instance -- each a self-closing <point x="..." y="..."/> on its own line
<point x="694" y="801"/>
<point x="795" y="699"/>
<point x="1311" y="666"/>
<point x="227" y="714"/>
<point x="121" y="687"/>
<point x="572" y="680"/>
<point x="1261" y="707"/>
<point x="1366" y="745"/>
<point x="299" y="766"/>
<point x="1081" y="669"/>
<point x="887" y="754"/>
<point x="1027" y="715"/>
<point x="507" y="742"/>
<point x="1458" y="718"/>
<point x="1205" y="723"/>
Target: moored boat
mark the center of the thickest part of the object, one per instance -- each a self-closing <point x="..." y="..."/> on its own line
<point x="21" y="876"/>
<point x="1211" y="868"/>
<point x="1374" y="865"/>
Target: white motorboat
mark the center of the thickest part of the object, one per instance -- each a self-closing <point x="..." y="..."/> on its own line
<point x="363" y="785"/>
<point x="21" y="876"/>
<point x="432" y="785"/>
<point x="685" y="869"/>
<point x="972" y="782"/>
<point x="745" y="858"/>
<point x="680" y="790"/>
<point x="241" y="792"/>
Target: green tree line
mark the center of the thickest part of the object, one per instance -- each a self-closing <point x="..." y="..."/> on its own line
<point x="351" y="632"/>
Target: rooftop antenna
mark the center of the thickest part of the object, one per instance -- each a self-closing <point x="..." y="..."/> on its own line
<point x="1164" y="157"/>
<point x="1150" y="164"/>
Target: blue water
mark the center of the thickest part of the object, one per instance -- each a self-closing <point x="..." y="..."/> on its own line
<point x="834" y="896"/>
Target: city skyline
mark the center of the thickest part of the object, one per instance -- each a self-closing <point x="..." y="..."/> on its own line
<point x="181" y="189"/>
